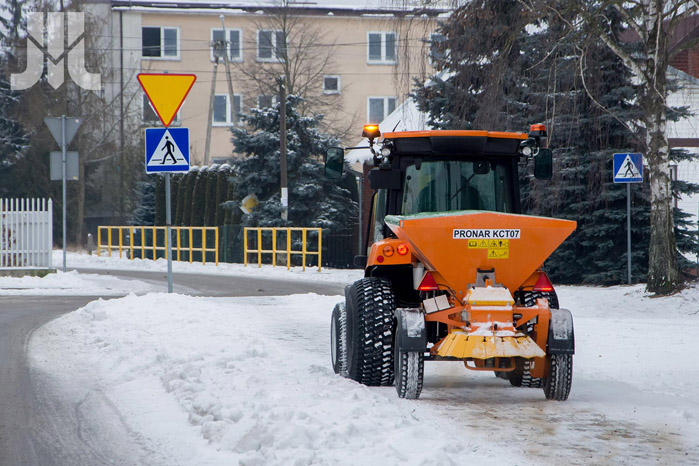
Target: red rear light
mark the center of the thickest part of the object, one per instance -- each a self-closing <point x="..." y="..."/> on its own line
<point x="402" y="249"/>
<point x="379" y="259"/>
<point x="543" y="283"/>
<point x="428" y="283"/>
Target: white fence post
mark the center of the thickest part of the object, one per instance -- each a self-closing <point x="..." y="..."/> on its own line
<point x="26" y="233"/>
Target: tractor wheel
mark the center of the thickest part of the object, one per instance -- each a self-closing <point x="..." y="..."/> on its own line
<point x="338" y="339"/>
<point x="410" y="370"/>
<point x="557" y="384"/>
<point x="521" y="377"/>
<point x="370" y="312"/>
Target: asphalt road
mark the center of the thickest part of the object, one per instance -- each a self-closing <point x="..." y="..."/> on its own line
<point x="41" y="424"/>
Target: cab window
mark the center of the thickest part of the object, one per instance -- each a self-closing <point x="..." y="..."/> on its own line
<point x="445" y="186"/>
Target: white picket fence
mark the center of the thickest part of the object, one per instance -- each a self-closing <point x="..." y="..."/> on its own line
<point x="26" y="233"/>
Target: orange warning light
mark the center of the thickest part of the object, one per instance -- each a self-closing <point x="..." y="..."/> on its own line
<point x="371" y="131"/>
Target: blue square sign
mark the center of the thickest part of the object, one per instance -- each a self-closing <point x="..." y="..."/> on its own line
<point x="167" y="150"/>
<point x="628" y="168"/>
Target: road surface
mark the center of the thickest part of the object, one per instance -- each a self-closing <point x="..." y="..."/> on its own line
<point x="40" y="424"/>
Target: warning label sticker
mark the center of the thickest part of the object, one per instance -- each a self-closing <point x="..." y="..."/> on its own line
<point x="485" y="244"/>
<point x="498" y="253"/>
<point x="488" y="234"/>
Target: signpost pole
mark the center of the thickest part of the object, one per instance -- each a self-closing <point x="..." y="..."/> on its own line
<point x="168" y="229"/>
<point x="628" y="229"/>
<point x="63" y="165"/>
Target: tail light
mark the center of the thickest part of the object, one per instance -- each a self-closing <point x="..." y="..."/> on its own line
<point x="543" y="283"/>
<point x="428" y="283"/>
<point x="388" y="250"/>
<point x="402" y="249"/>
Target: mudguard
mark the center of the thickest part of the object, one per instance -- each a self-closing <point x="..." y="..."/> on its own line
<point x="411" y="325"/>
<point x="561" y="336"/>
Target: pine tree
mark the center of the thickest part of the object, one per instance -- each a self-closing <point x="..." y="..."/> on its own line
<point x="14" y="138"/>
<point x="525" y="74"/>
<point x="314" y="201"/>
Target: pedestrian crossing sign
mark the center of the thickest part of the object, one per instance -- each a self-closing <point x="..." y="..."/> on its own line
<point x="628" y="168"/>
<point x="167" y="150"/>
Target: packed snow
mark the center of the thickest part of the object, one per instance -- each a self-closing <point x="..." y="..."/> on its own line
<point x="71" y="283"/>
<point x="78" y="260"/>
<point x="214" y="381"/>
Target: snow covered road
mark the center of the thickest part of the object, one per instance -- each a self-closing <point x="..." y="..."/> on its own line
<point x="213" y="381"/>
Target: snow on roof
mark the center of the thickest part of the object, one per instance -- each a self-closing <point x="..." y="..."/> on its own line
<point x="354" y="5"/>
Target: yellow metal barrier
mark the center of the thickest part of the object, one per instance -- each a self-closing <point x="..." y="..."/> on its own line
<point x="287" y="251"/>
<point x="139" y="241"/>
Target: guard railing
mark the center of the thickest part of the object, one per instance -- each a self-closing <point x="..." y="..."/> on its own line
<point x="142" y="241"/>
<point x="285" y="251"/>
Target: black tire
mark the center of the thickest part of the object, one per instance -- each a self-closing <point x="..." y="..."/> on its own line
<point x="409" y="371"/>
<point x="338" y="339"/>
<point x="521" y="377"/>
<point x="370" y="312"/>
<point x="557" y="384"/>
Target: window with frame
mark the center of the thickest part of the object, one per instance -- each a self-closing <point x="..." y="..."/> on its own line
<point x="271" y="45"/>
<point x="331" y="84"/>
<point x="151" y="118"/>
<point x="381" y="48"/>
<point x="235" y="51"/>
<point x="436" y="50"/>
<point x="223" y="112"/>
<point x="160" y="42"/>
<point x="266" y="100"/>
<point x="379" y="108"/>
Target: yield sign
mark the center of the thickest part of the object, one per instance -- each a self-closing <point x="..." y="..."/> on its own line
<point x="166" y="92"/>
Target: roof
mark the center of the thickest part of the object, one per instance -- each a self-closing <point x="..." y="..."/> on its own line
<point x="340" y="7"/>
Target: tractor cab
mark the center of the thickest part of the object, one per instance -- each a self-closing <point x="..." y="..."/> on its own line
<point x="444" y="171"/>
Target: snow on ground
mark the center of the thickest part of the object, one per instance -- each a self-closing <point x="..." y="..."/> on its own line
<point x="213" y="381"/>
<point x="83" y="260"/>
<point x="71" y="283"/>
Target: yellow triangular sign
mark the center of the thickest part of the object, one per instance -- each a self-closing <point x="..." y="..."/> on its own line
<point x="166" y="92"/>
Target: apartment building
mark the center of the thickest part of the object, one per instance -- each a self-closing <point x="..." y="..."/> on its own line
<point x="354" y="63"/>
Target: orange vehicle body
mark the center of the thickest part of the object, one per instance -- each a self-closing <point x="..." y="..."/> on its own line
<point x="462" y="284"/>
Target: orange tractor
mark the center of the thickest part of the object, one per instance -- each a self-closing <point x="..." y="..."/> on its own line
<point x="454" y="271"/>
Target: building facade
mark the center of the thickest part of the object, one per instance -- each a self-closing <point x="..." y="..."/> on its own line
<point x="354" y="65"/>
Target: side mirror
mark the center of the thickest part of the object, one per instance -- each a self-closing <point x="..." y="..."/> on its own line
<point x="334" y="162"/>
<point x="543" y="164"/>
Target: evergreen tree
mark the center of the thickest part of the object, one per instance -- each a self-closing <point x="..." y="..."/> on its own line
<point x="525" y="74"/>
<point x="14" y="137"/>
<point x="144" y="214"/>
<point x="314" y="201"/>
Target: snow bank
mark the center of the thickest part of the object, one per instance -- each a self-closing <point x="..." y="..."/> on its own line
<point x="71" y="283"/>
<point x="250" y="376"/>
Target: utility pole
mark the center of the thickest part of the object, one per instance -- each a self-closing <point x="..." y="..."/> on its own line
<point x="217" y="54"/>
<point x="231" y="96"/>
<point x="282" y="148"/>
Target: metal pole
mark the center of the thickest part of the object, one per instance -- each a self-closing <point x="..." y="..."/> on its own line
<point x="63" y="164"/>
<point x="628" y="228"/>
<point x="168" y="232"/>
<point x="282" y="149"/>
<point x="207" y="143"/>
